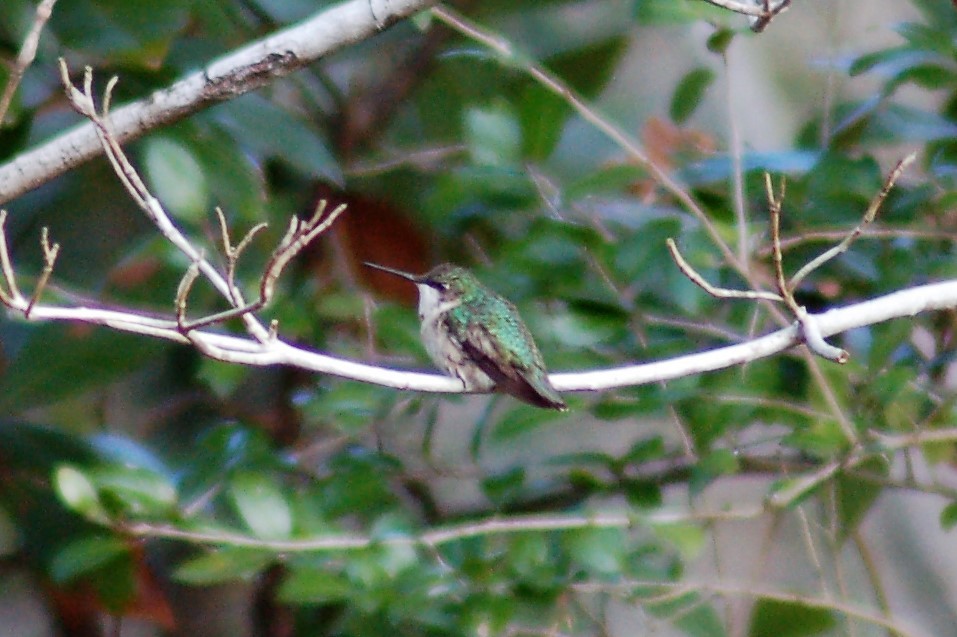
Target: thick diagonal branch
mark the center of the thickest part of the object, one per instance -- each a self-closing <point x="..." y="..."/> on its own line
<point x="232" y="75"/>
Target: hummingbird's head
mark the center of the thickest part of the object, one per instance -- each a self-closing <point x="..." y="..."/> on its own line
<point x="446" y="279"/>
<point x="449" y="280"/>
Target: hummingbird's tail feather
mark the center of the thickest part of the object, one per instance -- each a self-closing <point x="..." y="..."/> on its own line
<point x="528" y="385"/>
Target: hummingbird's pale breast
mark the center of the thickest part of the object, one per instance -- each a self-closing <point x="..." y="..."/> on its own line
<point x="444" y="350"/>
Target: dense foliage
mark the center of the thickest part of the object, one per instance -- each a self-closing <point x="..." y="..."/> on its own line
<point x="135" y="474"/>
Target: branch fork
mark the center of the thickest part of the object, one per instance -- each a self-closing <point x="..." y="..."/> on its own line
<point x="807" y="323"/>
<point x="264" y="339"/>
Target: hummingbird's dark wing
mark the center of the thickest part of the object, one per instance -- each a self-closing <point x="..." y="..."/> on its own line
<point x="508" y="356"/>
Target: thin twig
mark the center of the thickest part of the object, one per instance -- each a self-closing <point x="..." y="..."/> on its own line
<point x="700" y="281"/>
<point x="182" y="293"/>
<point x="440" y="535"/>
<point x="232" y="253"/>
<point x="811" y="332"/>
<point x="12" y="295"/>
<point x="28" y="52"/>
<point x="760" y="23"/>
<point x="787" y="243"/>
<point x="84" y="103"/>
<point x="845" y="608"/>
<point x="298" y="236"/>
<point x="869" y="215"/>
<point x="775" y="201"/>
<point x="49" y="260"/>
<point x="624" y="141"/>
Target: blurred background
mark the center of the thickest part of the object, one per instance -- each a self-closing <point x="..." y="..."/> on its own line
<point x="446" y="151"/>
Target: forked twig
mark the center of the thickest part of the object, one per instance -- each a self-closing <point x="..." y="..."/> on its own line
<point x="297" y="237"/>
<point x="809" y="328"/>
<point x="232" y="253"/>
<point x="761" y="22"/>
<point x="869" y="216"/>
<point x="49" y="260"/>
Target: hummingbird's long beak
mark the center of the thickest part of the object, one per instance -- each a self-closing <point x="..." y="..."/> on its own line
<point x="399" y="273"/>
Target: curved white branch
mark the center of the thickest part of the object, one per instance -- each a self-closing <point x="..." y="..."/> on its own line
<point x="248" y="351"/>
<point x="935" y="296"/>
<point x="238" y="72"/>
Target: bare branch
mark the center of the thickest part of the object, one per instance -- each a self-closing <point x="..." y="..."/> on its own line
<point x="700" y="281"/>
<point x="816" y="343"/>
<point x="809" y="329"/>
<point x="441" y="535"/>
<point x="297" y="237"/>
<point x="28" y="52"/>
<point x="11" y="295"/>
<point x="85" y="104"/>
<point x="247" y="68"/>
<point x="590" y="114"/>
<point x="274" y="351"/>
<point x="760" y="23"/>
<point x="232" y="253"/>
<point x="182" y="294"/>
<point x="738" y="6"/>
<point x="49" y="259"/>
<point x="678" y="589"/>
<point x="869" y="215"/>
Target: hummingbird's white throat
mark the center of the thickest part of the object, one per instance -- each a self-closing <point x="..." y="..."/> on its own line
<point x="431" y="306"/>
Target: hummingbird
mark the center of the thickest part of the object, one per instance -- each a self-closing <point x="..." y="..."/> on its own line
<point x="477" y="336"/>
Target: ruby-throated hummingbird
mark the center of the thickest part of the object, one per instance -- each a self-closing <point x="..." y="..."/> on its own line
<point x="477" y="336"/>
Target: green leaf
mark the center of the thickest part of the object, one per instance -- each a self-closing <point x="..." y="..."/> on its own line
<point x="504" y="487"/>
<point x="110" y="27"/>
<point x="176" y="177"/>
<point x="688" y="539"/>
<point x="222" y="378"/>
<point x="348" y="406"/>
<point x="61" y="360"/>
<point x="645" y="450"/>
<point x="689" y="93"/>
<point x="134" y="490"/>
<point x="78" y="493"/>
<point x="85" y="555"/>
<point x="689" y="613"/>
<point x="30" y="447"/>
<point x="521" y="420"/>
<point x="313" y="586"/>
<point x="542" y="115"/>
<point x="663" y="12"/>
<point x="529" y="553"/>
<point x="715" y="464"/>
<point x="855" y="496"/>
<point x="601" y="551"/>
<point x="276" y="133"/>
<point x="493" y="135"/>
<point x="775" y="618"/>
<point x="261" y="504"/>
<point x="720" y="40"/>
<point x="222" y="565"/>
<point x="615" y="178"/>
<point x="948" y="516"/>
<point x="587" y="69"/>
